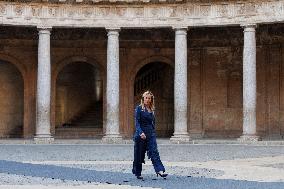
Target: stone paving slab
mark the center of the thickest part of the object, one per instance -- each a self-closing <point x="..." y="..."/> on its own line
<point x="100" y="186"/>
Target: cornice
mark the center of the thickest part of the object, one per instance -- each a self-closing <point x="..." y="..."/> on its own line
<point x="107" y="2"/>
<point x="51" y="13"/>
<point x="94" y="2"/>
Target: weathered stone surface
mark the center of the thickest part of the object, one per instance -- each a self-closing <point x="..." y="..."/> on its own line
<point x="249" y="138"/>
<point x="180" y="86"/>
<point x="11" y="101"/>
<point x="143" y="14"/>
<point x="249" y="82"/>
<point x="112" y="88"/>
<point x="43" y="140"/>
<point x="43" y="85"/>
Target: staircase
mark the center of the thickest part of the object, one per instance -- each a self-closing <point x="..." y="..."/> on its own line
<point x="92" y="117"/>
<point x="17" y="132"/>
<point x="87" y="124"/>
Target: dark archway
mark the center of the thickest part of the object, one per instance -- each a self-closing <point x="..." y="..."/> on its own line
<point x="158" y="77"/>
<point x="11" y="101"/>
<point x="79" y="101"/>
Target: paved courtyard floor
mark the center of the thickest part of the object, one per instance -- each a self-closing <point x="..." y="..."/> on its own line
<point x="88" y="166"/>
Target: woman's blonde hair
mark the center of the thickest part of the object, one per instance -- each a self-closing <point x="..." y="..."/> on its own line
<point x="152" y="103"/>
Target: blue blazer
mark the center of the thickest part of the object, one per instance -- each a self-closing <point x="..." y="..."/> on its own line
<point x="141" y="122"/>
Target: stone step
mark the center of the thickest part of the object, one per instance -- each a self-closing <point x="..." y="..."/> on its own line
<point x="95" y="111"/>
<point x="90" y="118"/>
<point x="86" y="119"/>
<point x="83" y="125"/>
<point x="74" y="132"/>
<point x="88" y="115"/>
<point x="89" y="122"/>
<point x="16" y="132"/>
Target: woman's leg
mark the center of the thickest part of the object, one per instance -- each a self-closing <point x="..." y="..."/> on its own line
<point x="139" y="156"/>
<point x="154" y="154"/>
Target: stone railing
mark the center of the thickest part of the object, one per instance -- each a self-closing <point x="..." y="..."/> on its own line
<point x="183" y="14"/>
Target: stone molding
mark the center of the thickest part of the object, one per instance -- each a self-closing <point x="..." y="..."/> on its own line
<point x="109" y="1"/>
<point x="44" y="30"/>
<point x="249" y="27"/>
<point x="47" y="28"/>
<point x="113" y="31"/>
<point x="185" y="14"/>
<point x="181" y="31"/>
<point x="176" y="28"/>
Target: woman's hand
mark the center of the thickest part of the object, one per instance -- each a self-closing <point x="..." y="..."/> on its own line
<point x="143" y="136"/>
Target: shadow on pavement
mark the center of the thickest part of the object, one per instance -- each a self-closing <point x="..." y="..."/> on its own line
<point x="172" y="182"/>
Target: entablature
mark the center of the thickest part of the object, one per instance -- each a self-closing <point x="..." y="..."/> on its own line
<point x="197" y="13"/>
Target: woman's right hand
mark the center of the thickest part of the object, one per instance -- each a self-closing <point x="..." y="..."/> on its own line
<point x="143" y="136"/>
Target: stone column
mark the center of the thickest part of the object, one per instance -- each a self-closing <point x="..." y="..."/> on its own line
<point x="112" y="88"/>
<point x="180" y="88"/>
<point x="249" y="84"/>
<point x="43" y="88"/>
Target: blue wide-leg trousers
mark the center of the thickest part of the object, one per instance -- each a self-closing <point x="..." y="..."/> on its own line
<point x="148" y="145"/>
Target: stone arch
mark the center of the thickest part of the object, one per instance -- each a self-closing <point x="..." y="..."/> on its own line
<point x="21" y="69"/>
<point x="12" y="60"/>
<point x="137" y="66"/>
<point x="140" y="63"/>
<point x="67" y="60"/>
<point x="60" y="65"/>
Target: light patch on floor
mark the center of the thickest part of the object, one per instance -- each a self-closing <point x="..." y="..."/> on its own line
<point x="251" y="169"/>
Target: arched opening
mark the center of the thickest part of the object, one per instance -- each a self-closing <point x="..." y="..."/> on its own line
<point x="79" y="101"/>
<point x="11" y="101"/>
<point x="158" y="77"/>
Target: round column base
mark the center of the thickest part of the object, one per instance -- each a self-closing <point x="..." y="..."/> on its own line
<point x="43" y="139"/>
<point x="112" y="139"/>
<point x="249" y="138"/>
<point x="180" y="139"/>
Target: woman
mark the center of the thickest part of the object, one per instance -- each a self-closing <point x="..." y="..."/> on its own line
<point x="145" y="137"/>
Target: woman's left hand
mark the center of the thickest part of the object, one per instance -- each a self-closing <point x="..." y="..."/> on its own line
<point x="143" y="136"/>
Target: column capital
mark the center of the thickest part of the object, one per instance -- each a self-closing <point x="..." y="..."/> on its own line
<point x="44" y="29"/>
<point x="180" y="28"/>
<point x="249" y="27"/>
<point x="113" y="29"/>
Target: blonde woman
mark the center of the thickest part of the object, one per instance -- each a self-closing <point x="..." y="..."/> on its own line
<point x="145" y="137"/>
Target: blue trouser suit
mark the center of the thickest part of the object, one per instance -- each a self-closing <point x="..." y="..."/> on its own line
<point x="145" y="123"/>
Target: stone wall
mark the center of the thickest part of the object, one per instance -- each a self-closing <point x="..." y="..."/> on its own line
<point x="11" y="101"/>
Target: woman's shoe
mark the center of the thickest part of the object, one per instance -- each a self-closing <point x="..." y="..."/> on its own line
<point x="163" y="175"/>
<point x="139" y="177"/>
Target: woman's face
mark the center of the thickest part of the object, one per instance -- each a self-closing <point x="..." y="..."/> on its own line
<point x="147" y="99"/>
